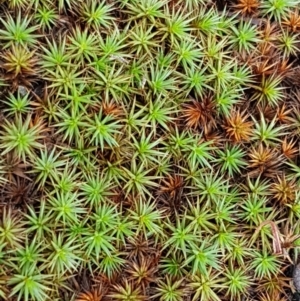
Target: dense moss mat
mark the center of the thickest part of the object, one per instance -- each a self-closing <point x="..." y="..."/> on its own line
<point x="149" y="150"/>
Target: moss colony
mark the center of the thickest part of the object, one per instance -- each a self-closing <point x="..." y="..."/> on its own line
<point x="149" y="150"/>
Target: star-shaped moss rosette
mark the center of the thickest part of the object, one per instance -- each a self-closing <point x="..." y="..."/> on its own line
<point x="149" y="150"/>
